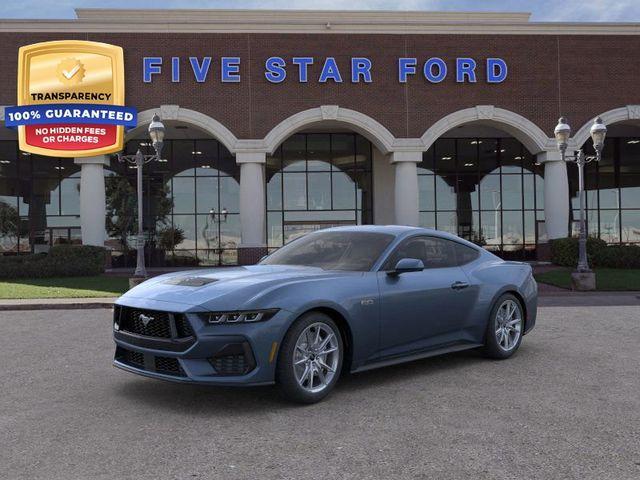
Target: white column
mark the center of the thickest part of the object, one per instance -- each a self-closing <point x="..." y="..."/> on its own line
<point x="406" y="187"/>
<point x="93" y="208"/>
<point x="556" y="194"/>
<point x="384" y="187"/>
<point x="252" y="199"/>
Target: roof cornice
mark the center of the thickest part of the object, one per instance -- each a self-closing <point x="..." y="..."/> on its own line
<point x="296" y="16"/>
<point x="308" y="21"/>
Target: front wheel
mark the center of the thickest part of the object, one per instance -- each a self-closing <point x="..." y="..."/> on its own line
<point x="310" y="358"/>
<point x="505" y="327"/>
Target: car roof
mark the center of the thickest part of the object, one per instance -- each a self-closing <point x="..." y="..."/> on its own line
<point x="399" y="231"/>
<point x="390" y="229"/>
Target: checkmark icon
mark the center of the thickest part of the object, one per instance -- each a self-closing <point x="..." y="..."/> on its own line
<point x="71" y="73"/>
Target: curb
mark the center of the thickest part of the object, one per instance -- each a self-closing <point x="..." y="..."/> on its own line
<point x="16" y="307"/>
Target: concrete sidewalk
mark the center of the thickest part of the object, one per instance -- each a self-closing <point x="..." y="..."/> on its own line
<point x="567" y="298"/>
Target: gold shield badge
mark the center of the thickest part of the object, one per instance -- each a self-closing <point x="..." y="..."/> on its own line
<point x="74" y="90"/>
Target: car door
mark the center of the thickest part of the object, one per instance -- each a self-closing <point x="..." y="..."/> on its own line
<point x="427" y="308"/>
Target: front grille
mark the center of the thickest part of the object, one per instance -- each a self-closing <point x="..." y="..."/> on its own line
<point x="164" y="365"/>
<point x="183" y="327"/>
<point x="229" y="364"/>
<point x="149" y="323"/>
<point x="169" y="366"/>
<point x="152" y="323"/>
<point x="135" y="359"/>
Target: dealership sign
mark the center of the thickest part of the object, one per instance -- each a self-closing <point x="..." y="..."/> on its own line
<point x="70" y="99"/>
<point x="323" y="70"/>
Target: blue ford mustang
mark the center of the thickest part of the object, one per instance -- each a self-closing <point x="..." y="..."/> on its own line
<point x="338" y="300"/>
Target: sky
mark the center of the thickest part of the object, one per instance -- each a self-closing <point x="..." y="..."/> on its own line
<point x="542" y="10"/>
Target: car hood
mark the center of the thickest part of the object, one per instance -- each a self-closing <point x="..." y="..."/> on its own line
<point x="232" y="288"/>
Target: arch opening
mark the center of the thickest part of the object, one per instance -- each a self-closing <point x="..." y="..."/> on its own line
<point x="612" y="186"/>
<point x="191" y="200"/>
<point x="331" y="116"/>
<point x="481" y="183"/>
<point x="39" y="199"/>
<point x="317" y="178"/>
<point x="521" y="128"/>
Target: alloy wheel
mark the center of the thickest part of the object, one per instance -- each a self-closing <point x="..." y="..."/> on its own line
<point x="508" y="325"/>
<point x="316" y="357"/>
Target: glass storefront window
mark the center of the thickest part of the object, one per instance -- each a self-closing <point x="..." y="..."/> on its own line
<point x="317" y="180"/>
<point x="319" y="191"/>
<point x="294" y="190"/>
<point x="194" y="189"/>
<point x="490" y="192"/>
<point x="630" y="190"/>
<point x="445" y="195"/>
<point x="512" y="192"/>
<point x="630" y="225"/>
<point x="39" y="198"/>
<point x="426" y="188"/>
<point x="612" y="190"/>
<point x="207" y="194"/>
<point x="342" y="191"/>
<point x="487" y="190"/>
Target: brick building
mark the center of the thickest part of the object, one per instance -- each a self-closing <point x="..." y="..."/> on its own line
<point x="282" y="122"/>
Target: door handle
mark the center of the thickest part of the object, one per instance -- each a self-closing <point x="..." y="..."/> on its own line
<point x="459" y="285"/>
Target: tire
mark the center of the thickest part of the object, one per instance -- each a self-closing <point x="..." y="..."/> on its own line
<point x="503" y="337"/>
<point x="304" y="373"/>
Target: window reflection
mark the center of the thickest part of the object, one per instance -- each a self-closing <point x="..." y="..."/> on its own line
<point x="317" y="180"/>
<point x="612" y="191"/>
<point x="487" y="190"/>
<point x="39" y="200"/>
<point x="630" y="226"/>
<point x="191" y="204"/>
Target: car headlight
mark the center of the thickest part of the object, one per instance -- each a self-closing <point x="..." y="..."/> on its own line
<point x="242" y="316"/>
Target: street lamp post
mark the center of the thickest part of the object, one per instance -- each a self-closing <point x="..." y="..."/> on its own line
<point x="562" y="133"/>
<point x="156" y="133"/>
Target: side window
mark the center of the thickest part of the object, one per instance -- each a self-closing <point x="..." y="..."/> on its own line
<point x="440" y="253"/>
<point x="465" y="254"/>
<point x="433" y="251"/>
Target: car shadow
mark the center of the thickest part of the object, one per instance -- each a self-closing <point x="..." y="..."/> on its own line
<point x="399" y="373"/>
<point x="208" y="400"/>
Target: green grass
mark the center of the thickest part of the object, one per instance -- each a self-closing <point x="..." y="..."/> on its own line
<point x="607" y="279"/>
<point x="69" y="287"/>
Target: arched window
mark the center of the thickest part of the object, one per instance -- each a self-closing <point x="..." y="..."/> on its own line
<point x="487" y="190"/>
<point x="39" y="200"/>
<point x="191" y="198"/>
<point x="612" y="189"/>
<point x="317" y="180"/>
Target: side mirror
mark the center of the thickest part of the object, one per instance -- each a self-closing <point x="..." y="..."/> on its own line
<point x="405" y="265"/>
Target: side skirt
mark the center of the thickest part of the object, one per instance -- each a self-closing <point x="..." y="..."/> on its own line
<point x="417" y="356"/>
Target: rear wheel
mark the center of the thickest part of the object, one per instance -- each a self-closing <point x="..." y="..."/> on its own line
<point x="505" y="327"/>
<point x="310" y="358"/>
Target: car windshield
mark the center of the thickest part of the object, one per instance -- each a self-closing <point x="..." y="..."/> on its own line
<point x="351" y="251"/>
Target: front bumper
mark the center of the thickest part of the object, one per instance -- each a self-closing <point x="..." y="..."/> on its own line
<point x="234" y="354"/>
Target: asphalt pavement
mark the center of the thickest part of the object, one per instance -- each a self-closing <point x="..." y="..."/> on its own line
<point x="567" y="406"/>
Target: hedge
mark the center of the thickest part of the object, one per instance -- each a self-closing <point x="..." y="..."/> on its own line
<point x="61" y="261"/>
<point x="564" y="252"/>
<point x="618" y="256"/>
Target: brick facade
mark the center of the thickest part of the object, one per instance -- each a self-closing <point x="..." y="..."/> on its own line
<point x="549" y="75"/>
